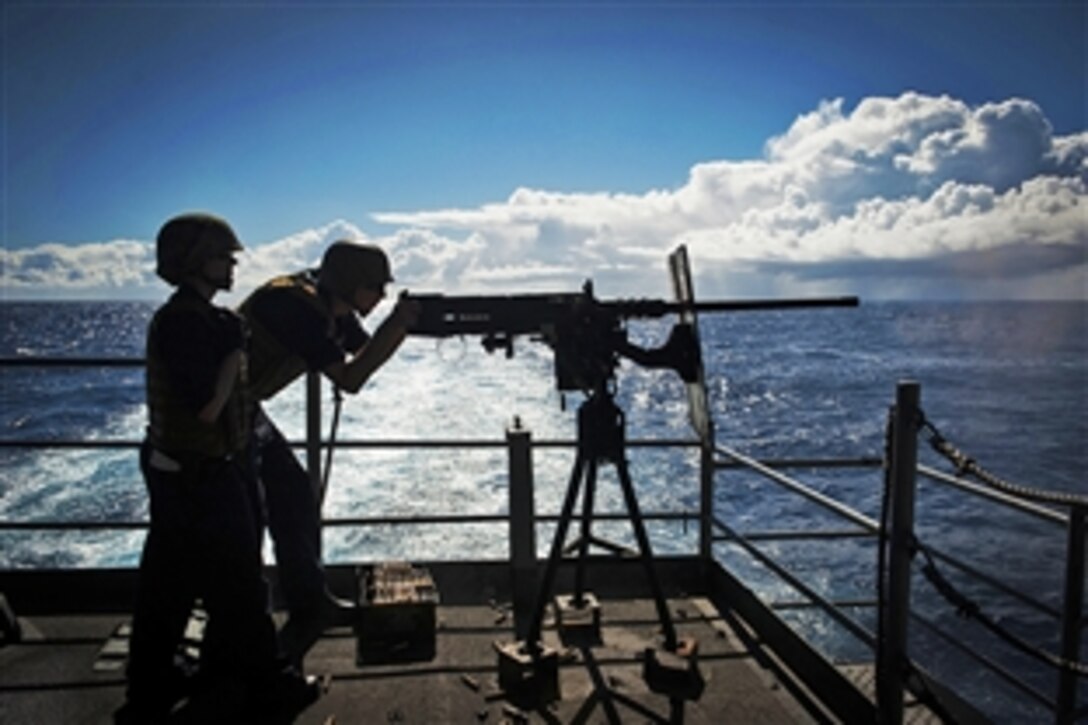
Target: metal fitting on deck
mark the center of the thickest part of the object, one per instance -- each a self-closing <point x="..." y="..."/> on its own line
<point x="528" y="674"/>
<point x="675" y="674"/>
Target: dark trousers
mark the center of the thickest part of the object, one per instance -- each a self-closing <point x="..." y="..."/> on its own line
<point x="293" y="516"/>
<point x="204" y="542"/>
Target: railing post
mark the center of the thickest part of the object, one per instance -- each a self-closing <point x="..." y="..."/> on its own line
<point x="706" y="502"/>
<point x="522" y="526"/>
<point x="892" y="650"/>
<point x="1072" y="606"/>
<point x="313" y="434"/>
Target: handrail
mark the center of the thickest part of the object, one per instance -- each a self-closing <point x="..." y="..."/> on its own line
<point x="825" y="501"/>
<point x="347" y="521"/>
<point x="767" y="467"/>
<point x="1028" y="507"/>
<point x="34" y="361"/>
<point x="853" y="627"/>
<point x="1071" y="619"/>
<point x="789" y="535"/>
<point x="36" y="443"/>
<point x="811" y="463"/>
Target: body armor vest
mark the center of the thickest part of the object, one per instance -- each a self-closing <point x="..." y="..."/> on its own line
<point x="272" y="366"/>
<point x="173" y="426"/>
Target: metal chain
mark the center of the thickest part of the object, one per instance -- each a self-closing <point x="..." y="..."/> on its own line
<point x="965" y="465"/>
<point x="969" y="609"/>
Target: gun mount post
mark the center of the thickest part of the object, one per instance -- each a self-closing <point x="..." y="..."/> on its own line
<point x="522" y="523"/>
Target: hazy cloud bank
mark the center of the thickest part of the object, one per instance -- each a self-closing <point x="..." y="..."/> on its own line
<point x="908" y="196"/>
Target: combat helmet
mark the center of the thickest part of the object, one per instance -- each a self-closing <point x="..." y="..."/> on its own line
<point x="187" y="241"/>
<point x="348" y="265"/>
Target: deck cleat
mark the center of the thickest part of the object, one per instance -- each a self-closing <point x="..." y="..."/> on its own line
<point x="675" y="674"/>
<point x="578" y="620"/>
<point x="527" y="674"/>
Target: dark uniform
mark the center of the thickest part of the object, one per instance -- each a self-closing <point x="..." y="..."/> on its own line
<point x="204" y="539"/>
<point x="293" y="330"/>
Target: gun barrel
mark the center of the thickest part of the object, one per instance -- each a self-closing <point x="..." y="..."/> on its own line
<point x="442" y="315"/>
<point x="763" y="304"/>
<point x="660" y="308"/>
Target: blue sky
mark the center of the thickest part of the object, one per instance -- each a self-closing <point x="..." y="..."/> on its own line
<point x="506" y="144"/>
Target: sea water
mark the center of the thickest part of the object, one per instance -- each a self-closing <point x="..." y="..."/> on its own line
<point x="1007" y="382"/>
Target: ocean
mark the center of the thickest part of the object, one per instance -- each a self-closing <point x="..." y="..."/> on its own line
<point x="1007" y="382"/>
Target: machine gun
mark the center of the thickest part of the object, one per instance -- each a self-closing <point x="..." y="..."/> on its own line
<point x="588" y="335"/>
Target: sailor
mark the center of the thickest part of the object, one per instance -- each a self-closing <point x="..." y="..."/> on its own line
<point x="204" y="537"/>
<point x="310" y="321"/>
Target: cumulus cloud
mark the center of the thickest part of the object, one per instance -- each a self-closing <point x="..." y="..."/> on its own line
<point x="78" y="270"/>
<point x="910" y="195"/>
<point x="298" y="251"/>
<point x="126" y="268"/>
<point x="874" y="192"/>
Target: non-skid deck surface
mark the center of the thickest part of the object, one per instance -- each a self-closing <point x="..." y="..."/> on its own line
<point x="67" y="670"/>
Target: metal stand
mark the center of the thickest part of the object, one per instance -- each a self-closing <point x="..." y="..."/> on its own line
<point x="673" y="671"/>
<point x="601" y="439"/>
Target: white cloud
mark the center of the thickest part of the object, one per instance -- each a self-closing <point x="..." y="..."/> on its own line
<point x="901" y="179"/>
<point x="61" y="270"/>
<point x="298" y="251"/>
<point x="889" y="195"/>
<point x="126" y="269"/>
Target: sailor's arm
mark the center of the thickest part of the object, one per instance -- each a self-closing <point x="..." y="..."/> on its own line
<point x="351" y="374"/>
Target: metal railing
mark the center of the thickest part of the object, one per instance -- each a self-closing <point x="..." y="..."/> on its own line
<point x="889" y="641"/>
<point x="889" y="645"/>
<point x="519" y="519"/>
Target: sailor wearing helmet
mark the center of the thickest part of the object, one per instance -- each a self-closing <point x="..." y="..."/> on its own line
<point x="310" y="321"/>
<point x="204" y="539"/>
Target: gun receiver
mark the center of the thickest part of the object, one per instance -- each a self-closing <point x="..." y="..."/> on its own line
<point x="587" y="334"/>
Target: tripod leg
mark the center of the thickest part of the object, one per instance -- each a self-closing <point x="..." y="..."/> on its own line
<point x="645" y="553"/>
<point x="587" y="524"/>
<point x="548" y="580"/>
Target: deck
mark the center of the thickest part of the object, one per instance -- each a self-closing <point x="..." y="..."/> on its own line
<point x="69" y="666"/>
<point x="61" y="675"/>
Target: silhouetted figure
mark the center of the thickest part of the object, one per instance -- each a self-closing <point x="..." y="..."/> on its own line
<point x="310" y="321"/>
<point x="204" y="539"/>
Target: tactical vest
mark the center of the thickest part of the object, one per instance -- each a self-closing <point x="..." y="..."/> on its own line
<point x="173" y="426"/>
<point x="272" y="366"/>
